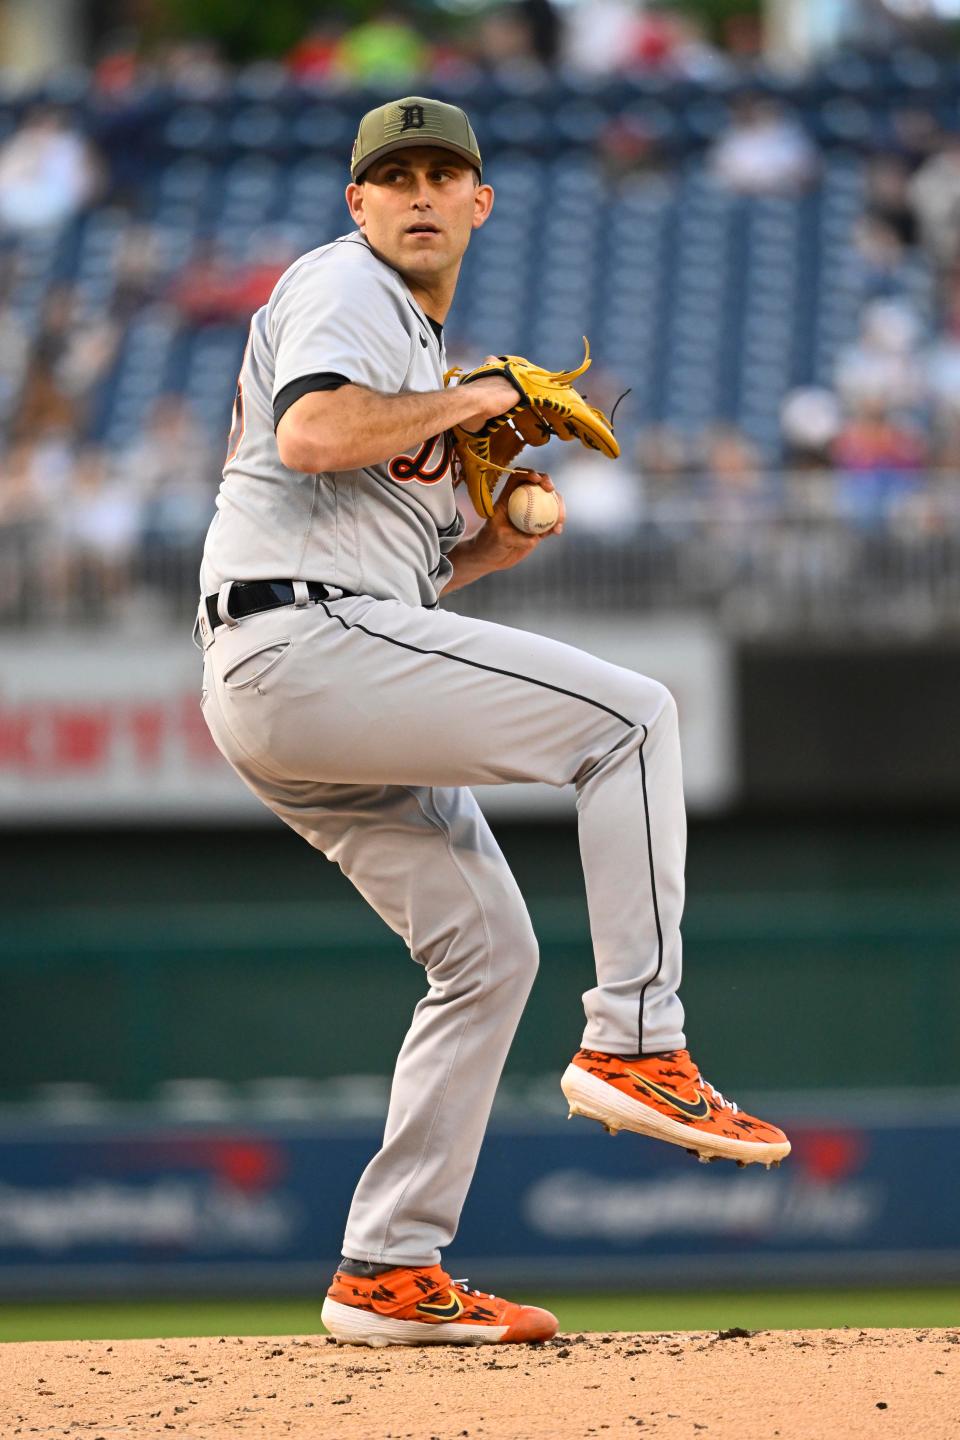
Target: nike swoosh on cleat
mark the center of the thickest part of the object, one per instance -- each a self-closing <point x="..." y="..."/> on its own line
<point x="698" y="1111"/>
<point x="449" y="1311"/>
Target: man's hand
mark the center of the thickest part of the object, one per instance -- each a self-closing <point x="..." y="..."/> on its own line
<point x="500" y="533"/>
<point x="494" y="396"/>
<point x="498" y="544"/>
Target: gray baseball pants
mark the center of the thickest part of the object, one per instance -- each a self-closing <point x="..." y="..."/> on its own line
<point x="359" y="722"/>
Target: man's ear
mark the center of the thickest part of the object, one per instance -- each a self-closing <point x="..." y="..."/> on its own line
<point x="482" y="205"/>
<point x="354" y="196"/>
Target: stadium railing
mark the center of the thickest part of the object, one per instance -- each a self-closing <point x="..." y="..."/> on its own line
<point x="795" y="551"/>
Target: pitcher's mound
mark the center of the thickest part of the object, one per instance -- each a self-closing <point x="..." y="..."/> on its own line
<point x="795" y="1385"/>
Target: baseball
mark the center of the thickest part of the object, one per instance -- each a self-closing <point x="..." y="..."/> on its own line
<point x="533" y="509"/>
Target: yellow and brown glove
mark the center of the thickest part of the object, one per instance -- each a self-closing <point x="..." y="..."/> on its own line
<point x="547" y="405"/>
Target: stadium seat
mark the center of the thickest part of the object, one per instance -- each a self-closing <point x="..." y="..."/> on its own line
<point x="688" y="290"/>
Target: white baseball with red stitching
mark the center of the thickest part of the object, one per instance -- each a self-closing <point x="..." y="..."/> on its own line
<point x="533" y="509"/>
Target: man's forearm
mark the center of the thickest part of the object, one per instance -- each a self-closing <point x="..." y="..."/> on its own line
<point x="351" y="427"/>
<point x="498" y="544"/>
<point x="470" y="562"/>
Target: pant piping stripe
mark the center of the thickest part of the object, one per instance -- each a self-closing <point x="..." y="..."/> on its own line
<point x="574" y="695"/>
<point x="477" y="665"/>
<point x="653" y="891"/>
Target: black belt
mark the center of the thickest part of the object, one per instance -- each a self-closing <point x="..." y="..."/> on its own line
<point x="249" y="597"/>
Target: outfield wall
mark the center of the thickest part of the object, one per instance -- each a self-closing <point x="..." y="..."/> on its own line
<point x="136" y="1207"/>
<point x="815" y="954"/>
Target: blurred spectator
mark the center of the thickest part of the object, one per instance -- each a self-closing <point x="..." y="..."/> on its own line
<point x="193" y="67"/>
<point x="211" y="288"/>
<point x="880" y="459"/>
<point x="14" y="354"/>
<point x="75" y="347"/>
<point x="665" y="39"/>
<point x="44" y="408"/>
<point x="942" y="359"/>
<point x="314" y="57"/>
<point x="117" y="69"/>
<point x="100" y="528"/>
<point x="607" y="36"/>
<point x="690" y="55"/>
<point x="935" y="196"/>
<point x="177" y="474"/>
<point x="945" y="447"/>
<point x="601" y="499"/>
<point x="810" y="420"/>
<point x="46" y="469"/>
<point x="663" y="454"/>
<point x="20" y="497"/>
<point x="629" y="151"/>
<point x="545" y="28"/>
<point x="764" y="151"/>
<point x="882" y="367"/>
<point x="505" y="43"/>
<point x="23" y="523"/>
<point x="730" y="457"/>
<point x="888" y="197"/>
<point x="35" y="477"/>
<point x="386" y="49"/>
<point x="599" y="35"/>
<point x="140" y="270"/>
<point x="885" y="267"/>
<point x="735" y="477"/>
<point x="48" y="172"/>
<point x="654" y="39"/>
<point x="915" y="133"/>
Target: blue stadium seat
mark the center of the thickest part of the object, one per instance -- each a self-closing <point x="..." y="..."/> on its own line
<point x="706" y="302"/>
<point x="322" y="126"/>
<point x="195" y="128"/>
<point x="258" y="127"/>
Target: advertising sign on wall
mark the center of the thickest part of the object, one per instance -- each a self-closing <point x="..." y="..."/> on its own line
<point x="251" y="1206"/>
<point x="107" y="727"/>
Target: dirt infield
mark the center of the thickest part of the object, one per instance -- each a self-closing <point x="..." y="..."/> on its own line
<point x="795" y="1385"/>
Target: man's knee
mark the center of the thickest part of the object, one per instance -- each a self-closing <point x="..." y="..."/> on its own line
<point x="514" y="953"/>
<point x="497" y="951"/>
<point x="641" y="700"/>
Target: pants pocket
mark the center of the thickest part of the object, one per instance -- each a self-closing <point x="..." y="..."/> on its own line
<point x="254" y="667"/>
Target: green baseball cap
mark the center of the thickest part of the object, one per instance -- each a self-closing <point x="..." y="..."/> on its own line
<point x="415" y="120"/>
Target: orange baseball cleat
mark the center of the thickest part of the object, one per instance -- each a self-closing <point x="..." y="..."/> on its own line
<point x="423" y="1306"/>
<point x="666" y="1097"/>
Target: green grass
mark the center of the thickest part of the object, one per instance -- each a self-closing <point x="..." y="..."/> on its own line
<point x="761" y="1310"/>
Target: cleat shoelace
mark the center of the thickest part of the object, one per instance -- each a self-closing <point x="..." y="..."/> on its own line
<point x="725" y="1104"/>
<point x="468" y="1289"/>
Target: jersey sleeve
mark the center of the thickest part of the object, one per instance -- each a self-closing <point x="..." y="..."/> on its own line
<point x="343" y="320"/>
<point x="286" y="396"/>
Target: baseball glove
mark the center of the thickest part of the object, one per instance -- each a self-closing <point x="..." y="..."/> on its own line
<point x="547" y="405"/>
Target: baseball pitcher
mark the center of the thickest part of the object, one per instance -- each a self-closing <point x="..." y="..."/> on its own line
<point x="361" y="712"/>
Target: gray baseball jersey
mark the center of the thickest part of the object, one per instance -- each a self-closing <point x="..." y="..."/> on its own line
<point x="361" y="720"/>
<point x="384" y="530"/>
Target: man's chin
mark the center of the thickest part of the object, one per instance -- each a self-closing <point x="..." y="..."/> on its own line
<point x="417" y="258"/>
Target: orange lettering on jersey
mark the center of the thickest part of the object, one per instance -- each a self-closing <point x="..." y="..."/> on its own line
<point x="405" y="468"/>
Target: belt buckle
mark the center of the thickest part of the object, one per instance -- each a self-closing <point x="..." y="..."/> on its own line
<point x="203" y="629"/>
<point x="223" y="605"/>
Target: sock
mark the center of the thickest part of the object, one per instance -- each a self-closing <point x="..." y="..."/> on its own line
<point x="362" y="1269"/>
